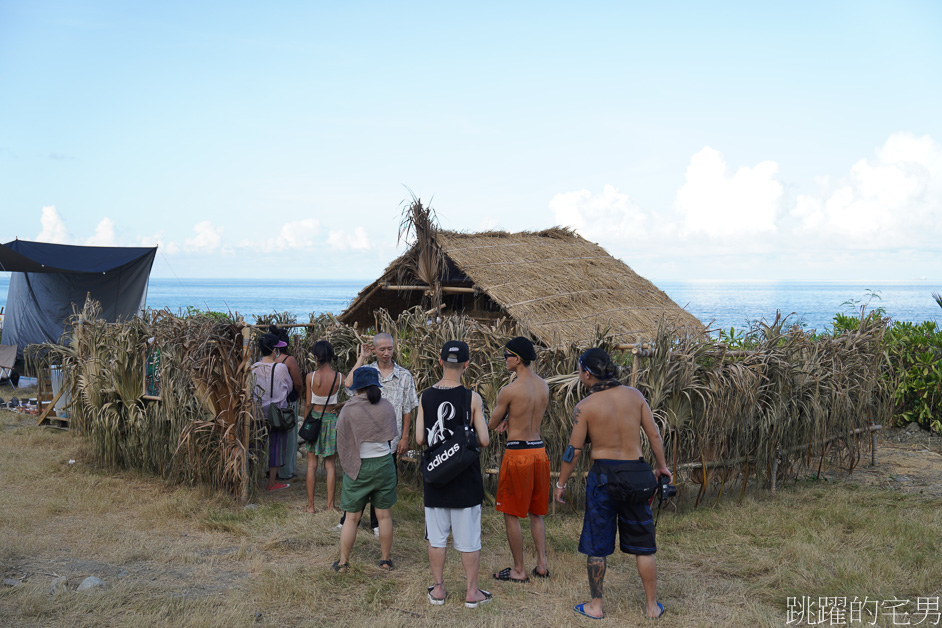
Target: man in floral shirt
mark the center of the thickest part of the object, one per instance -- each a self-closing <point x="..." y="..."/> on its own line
<point x="398" y="385"/>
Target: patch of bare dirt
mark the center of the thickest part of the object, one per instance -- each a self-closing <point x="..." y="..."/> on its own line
<point x="909" y="460"/>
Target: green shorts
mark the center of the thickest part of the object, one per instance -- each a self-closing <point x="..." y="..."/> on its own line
<point x="326" y="444"/>
<point x="376" y="482"/>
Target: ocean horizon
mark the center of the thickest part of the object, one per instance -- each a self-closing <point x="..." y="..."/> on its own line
<point x="720" y="304"/>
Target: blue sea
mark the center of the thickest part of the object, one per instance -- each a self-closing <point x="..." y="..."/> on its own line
<point x="723" y="304"/>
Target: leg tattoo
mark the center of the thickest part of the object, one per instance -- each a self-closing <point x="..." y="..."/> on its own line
<point x="595" y="566"/>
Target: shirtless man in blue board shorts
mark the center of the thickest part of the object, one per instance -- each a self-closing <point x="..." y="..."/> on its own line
<point x="611" y="417"/>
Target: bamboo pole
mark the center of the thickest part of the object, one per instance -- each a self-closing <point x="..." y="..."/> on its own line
<point x="449" y="289"/>
<point x="873" y="429"/>
<point x="493" y="471"/>
<point x="712" y="464"/>
<point x="281" y="326"/>
<point x="247" y="416"/>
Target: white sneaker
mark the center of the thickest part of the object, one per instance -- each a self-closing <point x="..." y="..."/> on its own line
<point x="376" y="531"/>
<point x="339" y="526"/>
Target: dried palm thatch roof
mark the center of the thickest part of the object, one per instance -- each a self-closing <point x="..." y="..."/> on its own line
<point x="554" y="283"/>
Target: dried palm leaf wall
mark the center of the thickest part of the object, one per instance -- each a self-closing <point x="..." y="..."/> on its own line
<point x="199" y="431"/>
<point x="726" y="417"/>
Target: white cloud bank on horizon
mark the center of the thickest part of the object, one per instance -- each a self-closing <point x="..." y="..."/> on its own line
<point x="208" y="238"/>
<point x="611" y="213"/>
<point x="300" y="235"/>
<point x="160" y="242"/>
<point x="340" y="240"/>
<point x="887" y="202"/>
<point x="893" y="200"/>
<point x="726" y="205"/>
<point x="104" y="234"/>
<point x="55" y="231"/>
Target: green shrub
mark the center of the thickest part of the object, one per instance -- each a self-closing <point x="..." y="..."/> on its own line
<point x="914" y="355"/>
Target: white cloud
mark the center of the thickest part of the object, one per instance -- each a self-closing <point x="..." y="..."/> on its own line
<point x="208" y="238"/>
<point x="891" y="200"/>
<point x="610" y="215"/>
<point x="157" y="240"/>
<point x="104" y="234"/>
<point x="340" y="240"/>
<point x="884" y="207"/>
<point x="54" y="229"/>
<point x="719" y="204"/>
<point x="297" y="235"/>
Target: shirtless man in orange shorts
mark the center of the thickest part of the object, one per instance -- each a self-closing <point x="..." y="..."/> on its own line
<point x="523" y="487"/>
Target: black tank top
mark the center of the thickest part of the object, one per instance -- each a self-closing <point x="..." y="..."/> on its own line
<point x="443" y="411"/>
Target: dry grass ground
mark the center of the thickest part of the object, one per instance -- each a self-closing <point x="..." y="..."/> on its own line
<point x="181" y="556"/>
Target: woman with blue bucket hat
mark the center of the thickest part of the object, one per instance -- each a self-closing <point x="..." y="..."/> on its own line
<point x="365" y="427"/>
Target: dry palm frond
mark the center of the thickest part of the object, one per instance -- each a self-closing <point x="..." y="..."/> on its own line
<point x="425" y="260"/>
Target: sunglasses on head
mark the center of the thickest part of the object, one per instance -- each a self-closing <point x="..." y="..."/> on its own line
<point x="583" y="367"/>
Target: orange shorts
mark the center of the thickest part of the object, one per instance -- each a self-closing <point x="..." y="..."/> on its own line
<point x="523" y="486"/>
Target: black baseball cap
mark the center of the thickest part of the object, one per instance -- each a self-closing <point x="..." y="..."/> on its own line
<point x="522" y="348"/>
<point x="456" y="352"/>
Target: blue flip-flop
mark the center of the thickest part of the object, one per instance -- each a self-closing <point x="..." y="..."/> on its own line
<point x="659" y="615"/>
<point x="580" y="608"/>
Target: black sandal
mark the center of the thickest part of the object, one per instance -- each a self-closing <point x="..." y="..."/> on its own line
<point x="386" y="565"/>
<point x="340" y="568"/>
<point x="436" y="601"/>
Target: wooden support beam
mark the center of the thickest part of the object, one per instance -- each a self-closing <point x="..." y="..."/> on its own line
<point x="49" y="406"/>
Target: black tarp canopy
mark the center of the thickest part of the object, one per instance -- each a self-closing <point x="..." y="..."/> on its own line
<point x="49" y="279"/>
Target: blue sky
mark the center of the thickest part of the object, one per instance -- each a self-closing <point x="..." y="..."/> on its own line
<point x="695" y="141"/>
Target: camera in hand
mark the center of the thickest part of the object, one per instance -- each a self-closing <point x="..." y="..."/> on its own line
<point x="665" y="490"/>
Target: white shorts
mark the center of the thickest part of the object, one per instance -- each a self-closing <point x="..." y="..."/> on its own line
<point x="464" y="524"/>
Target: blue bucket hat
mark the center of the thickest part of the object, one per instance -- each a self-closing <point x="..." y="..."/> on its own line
<point x="365" y="376"/>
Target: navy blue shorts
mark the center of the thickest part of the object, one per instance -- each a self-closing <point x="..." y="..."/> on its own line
<point x="603" y="515"/>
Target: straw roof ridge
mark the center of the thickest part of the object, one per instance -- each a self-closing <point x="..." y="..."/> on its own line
<point x="552" y="232"/>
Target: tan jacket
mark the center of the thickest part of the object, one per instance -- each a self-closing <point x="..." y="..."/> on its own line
<point x="363" y="422"/>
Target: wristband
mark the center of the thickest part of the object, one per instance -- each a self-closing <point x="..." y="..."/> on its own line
<point x="562" y="488"/>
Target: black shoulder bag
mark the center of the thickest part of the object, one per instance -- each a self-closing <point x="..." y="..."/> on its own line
<point x="443" y="462"/>
<point x="311" y="428"/>
<point x="627" y="485"/>
<point x="280" y="419"/>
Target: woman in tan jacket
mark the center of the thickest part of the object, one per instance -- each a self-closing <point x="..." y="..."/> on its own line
<point x="365" y="428"/>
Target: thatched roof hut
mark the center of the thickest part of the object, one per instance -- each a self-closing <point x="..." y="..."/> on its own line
<point x="556" y="284"/>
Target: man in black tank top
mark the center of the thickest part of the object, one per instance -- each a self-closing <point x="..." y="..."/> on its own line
<point x="454" y="508"/>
